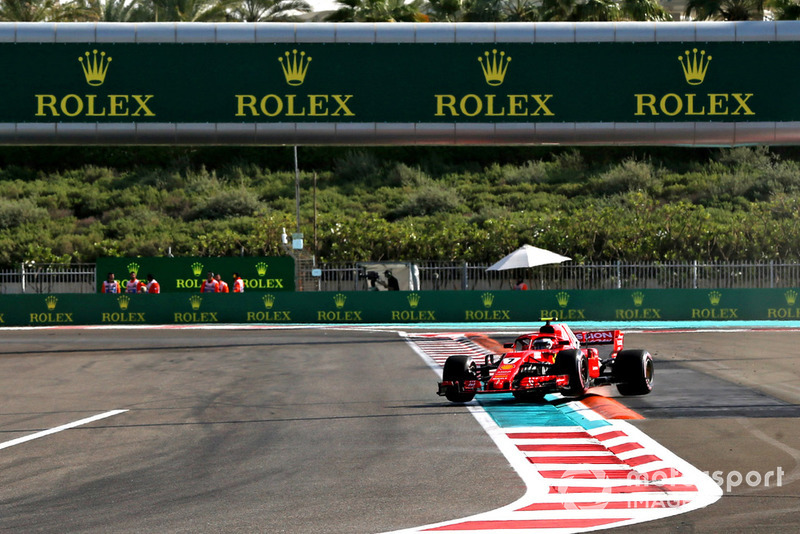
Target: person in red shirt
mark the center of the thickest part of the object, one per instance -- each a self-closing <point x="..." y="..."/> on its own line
<point x="152" y="284"/>
<point x="238" y="284"/>
<point x="223" y="286"/>
<point x="209" y="285"/>
<point x="110" y="285"/>
<point x="521" y="285"/>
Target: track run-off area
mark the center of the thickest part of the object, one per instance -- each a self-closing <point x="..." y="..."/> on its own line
<point x="253" y="428"/>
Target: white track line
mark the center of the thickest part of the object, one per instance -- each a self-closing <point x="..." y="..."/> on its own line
<point x="49" y="431"/>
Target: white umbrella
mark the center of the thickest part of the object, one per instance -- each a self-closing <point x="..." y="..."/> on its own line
<point x="527" y="256"/>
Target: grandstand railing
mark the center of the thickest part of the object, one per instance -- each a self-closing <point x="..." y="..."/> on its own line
<point x="33" y="277"/>
<point x="611" y="275"/>
<point x="433" y="275"/>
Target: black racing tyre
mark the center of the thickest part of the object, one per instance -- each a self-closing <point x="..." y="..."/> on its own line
<point x="575" y="364"/>
<point x="457" y="369"/>
<point x="633" y="371"/>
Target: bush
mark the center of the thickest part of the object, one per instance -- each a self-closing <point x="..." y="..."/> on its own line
<point x="17" y="212"/>
<point x="224" y="204"/>
<point x="428" y="200"/>
<point x="630" y="175"/>
<point x="358" y="167"/>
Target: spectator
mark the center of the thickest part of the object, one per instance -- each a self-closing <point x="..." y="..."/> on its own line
<point x="210" y="285"/>
<point x="238" y="283"/>
<point x="110" y="285"/>
<point x="392" y="284"/>
<point x="223" y="285"/>
<point x="152" y="284"/>
<point x="132" y="285"/>
<point x="521" y="285"/>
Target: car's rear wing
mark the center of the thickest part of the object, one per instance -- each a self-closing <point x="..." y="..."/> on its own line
<point x="602" y="337"/>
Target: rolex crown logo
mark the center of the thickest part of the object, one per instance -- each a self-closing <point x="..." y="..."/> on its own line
<point x="195" y="301"/>
<point x="197" y="268"/>
<point x="133" y="268"/>
<point x="413" y="300"/>
<point x="123" y="301"/>
<point x="791" y="297"/>
<point x="94" y="69"/>
<point x="51" y="302"/>
<point x="487" y="299"/>
<point x="494" y="70"/>
<point x="269" y="301"/>
<point x="261" y="268"/>
<point x="694" y="68"/>
<point x="339" y="300"/>
<point x="638" y="298"/>
<point x="562" y="298"/>
<point x="294" y="68"/>
<point x="714" y="297"/>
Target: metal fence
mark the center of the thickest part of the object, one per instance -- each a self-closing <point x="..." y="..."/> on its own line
<point x="610" y="275"/>
<point x="81" y="278"/>
<point x="49" y="278"/>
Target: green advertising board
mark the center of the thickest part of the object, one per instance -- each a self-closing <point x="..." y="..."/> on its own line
<point x="399" y="82"/>
<point x="713" y="306"/>
<point x="186" y="274"/>
<point x="621" y="83"/>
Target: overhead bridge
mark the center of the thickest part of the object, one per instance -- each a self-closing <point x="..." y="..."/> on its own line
<point x="634" y="83"/>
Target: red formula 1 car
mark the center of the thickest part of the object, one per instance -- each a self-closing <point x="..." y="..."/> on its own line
<point x="553" y="360"/>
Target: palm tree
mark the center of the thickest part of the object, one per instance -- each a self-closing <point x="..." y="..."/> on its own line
<point x="557" y="10"/>
<point x="596" y="11"/>
<point x="377" y="11"/>
<point x="186" y="10"/>
<point x="111" y="11"/>
<point x="520" y="11"/>
<point x="447" y="10"/>
<point x="485" y="11"/>
<point x="269" y="10"/>
<point x="37" y="11"/>
<point x="785" y="9"/>
<point x="648" y="10"/>
<point x="725" y="9"/>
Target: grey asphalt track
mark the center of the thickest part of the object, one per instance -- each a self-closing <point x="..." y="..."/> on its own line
<point x="312" y="431"/>
<point x="293" y="431"/>
<point x="728" y="403"/>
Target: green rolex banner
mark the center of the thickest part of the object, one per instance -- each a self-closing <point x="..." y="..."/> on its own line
<point x="358" y="82"/>
<point x="617" y="307"/>
<point x="186" y="274"/>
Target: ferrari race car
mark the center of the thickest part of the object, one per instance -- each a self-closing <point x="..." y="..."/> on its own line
<point x="553" y="360"/>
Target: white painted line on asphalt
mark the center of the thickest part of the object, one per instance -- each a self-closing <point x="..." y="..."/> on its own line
<point x="54" y="430"/>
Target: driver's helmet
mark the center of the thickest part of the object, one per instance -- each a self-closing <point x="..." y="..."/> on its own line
<point x="543" y="343"/>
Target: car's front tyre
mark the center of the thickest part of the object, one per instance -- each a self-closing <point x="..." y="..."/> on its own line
<point x="575" y="365"/>
<point x="458" y="369"/>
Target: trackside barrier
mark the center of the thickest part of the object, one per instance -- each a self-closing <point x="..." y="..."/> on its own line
<point x="400" y="307"/>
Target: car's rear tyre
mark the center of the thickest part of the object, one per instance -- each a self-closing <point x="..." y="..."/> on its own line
<point x="633" y="371"/>
<point x="574" y="364"/>
<point x="458" y="369"/>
